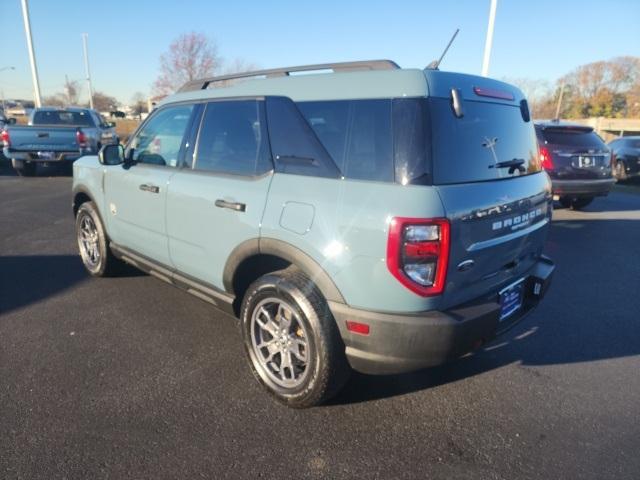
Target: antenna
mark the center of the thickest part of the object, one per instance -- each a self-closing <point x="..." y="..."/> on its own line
<point x="436" y="63"/>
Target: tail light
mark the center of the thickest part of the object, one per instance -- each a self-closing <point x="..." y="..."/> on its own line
<point x="545" y="158"/>
<point x="418" y="253"/>
<point x="6" y="139"/>
<point x="81" y="138"/>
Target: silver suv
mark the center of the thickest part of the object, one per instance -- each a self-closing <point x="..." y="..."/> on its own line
<point x="369" y="218"/>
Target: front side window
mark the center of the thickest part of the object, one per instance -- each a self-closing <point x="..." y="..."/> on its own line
<point x="233" y="139"/>
<point x="160" y="139"/>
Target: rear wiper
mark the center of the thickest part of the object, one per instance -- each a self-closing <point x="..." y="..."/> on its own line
<point x="513" y="165"/>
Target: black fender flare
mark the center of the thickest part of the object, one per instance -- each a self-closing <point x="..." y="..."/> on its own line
<point x="286" y="251"/>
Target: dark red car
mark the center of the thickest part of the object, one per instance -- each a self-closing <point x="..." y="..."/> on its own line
<point x="577" y="160"/>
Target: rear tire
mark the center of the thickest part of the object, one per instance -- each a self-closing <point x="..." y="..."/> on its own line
<point x="291" y="339"/>
<point x="93" y="243"/>
<point x="575" y="203"/>
<point x="23" y="169"/>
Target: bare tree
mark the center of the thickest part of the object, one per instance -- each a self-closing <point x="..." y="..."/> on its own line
<point x="71" y="91"/>
<point x="139" y="104"/>
<point x="57" y="100"/>
<point x="103" y="102"/>
<point x="192" y="55"/>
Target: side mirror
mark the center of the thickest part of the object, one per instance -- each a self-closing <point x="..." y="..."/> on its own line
<point x="111" y="155"/>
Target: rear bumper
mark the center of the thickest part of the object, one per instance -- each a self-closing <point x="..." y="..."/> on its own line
<point x="582" y="188"/>
<point x="404" y="342"/>
<point x="58" y="157"/>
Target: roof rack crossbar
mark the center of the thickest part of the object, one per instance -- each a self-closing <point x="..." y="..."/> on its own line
<point x="203" y="83"/>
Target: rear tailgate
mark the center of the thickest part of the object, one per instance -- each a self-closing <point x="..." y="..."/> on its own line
<point x="487" y="172"/>
<point x="577" y="153"/>
<point x="43" y="139"/>
<point x="499" y="228"/>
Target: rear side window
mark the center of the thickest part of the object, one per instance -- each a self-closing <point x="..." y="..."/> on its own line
<point x="357" y="134"/>
<point x="471" y="148"/>
<point x="572" y="137"/>
<point x="233" y="139"/>
<point x="295" y="147"/>
<point x="62" y="118"/>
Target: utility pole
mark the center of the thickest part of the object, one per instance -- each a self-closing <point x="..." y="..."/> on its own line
<point x="489" y="39"/>
<point x="86" y="67"/>
<point x="32" y="56"/>
<point x="557" y="117"/>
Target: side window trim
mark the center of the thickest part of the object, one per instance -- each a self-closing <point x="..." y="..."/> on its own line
<point x="191" y="137"/>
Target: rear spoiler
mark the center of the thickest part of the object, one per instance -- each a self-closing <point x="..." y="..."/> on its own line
<point x="567" y="128"/>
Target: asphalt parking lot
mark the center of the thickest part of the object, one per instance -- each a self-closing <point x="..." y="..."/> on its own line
<point x="131" y="378"/>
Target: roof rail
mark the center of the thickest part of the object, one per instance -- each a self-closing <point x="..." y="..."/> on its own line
<point x="203" y="83"/>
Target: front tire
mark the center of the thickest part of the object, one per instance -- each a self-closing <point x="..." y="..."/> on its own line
<point x="575" y="203"/>
<point x="292" y="342"/>
<point x="93" y="244"/>
<point x="23" y="169"/>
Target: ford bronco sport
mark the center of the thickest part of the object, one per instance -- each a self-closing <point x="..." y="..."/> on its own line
<point x="369" y="218"/>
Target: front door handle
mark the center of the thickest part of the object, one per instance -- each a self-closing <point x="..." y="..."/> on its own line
<point x="149" y="188"/>
<point x="237" y="206"/>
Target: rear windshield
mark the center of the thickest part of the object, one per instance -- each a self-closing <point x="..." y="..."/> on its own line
<point x="62" y="118"/>
<point x="468" y="149"/>
<point x="421" y="141"/>
<point x="572" y="138"/>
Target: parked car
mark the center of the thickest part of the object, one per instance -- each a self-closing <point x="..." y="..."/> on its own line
<point x="577" y="160"/>
<point x="4" y="121"/>
<point x="55" y="135"/>
<point x="626" y="157"/>
<point x="369" y="218"/>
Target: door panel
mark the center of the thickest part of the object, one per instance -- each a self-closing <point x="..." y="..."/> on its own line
<point x="136" y="200"/>
<point x="205" y="221"/>
<point x="219" y="204"/>
<point x="136" y="193"/>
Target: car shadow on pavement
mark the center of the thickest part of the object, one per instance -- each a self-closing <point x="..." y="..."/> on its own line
<point x="589" y="314"/>
<point x="29" y="279"/>
<point x="42" y="171"/>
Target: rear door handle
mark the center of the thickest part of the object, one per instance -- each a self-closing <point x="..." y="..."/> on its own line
<point x="149" y="188"/>
<point x="237" y="206"/>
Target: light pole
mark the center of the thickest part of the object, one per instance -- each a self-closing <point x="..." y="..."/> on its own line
<point x="489" y="39"/>
<point x="86" y="67"/>
<point x="32" y="56"/>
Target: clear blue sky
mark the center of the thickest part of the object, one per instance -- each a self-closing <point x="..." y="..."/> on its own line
<point x="540" y="39"/>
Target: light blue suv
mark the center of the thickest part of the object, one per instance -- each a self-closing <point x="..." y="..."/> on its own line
<point x="361" y="216"/>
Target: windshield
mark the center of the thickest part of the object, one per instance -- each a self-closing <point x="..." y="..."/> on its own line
<point x="62" y="118"/>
